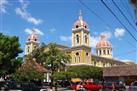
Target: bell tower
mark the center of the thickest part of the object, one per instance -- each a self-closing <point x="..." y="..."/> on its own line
<point x="80" y="33"/>
<point x="81" y="50"/>
<point x="32" y="42"/>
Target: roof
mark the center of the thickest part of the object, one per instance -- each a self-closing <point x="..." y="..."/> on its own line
<point x="98" y="58"/>
<point x="58" y="46"/>
<point x="125" y="70"/>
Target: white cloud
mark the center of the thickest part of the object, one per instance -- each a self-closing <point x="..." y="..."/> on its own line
<point x="52" y="30"/>
<point x="3" y="4"/>
<point x="65" y="38"/>
<point x="106" y="34"/>
<point x="38" y="31"/>
<point x="93" y="41"/>
<point x="119" y="32"/>
<point x="29" y="31"/>
<point x="25" y="15"/>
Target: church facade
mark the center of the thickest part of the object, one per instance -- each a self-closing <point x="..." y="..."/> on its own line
<point x="80" y="51"/>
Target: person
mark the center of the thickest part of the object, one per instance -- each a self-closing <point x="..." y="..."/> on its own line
<point x="49" y="88"/>
<point x="113" y="87"/>
<point x="79" y="87"/>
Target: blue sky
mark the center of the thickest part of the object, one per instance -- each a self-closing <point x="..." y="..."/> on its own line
<point x="54" y="20"/>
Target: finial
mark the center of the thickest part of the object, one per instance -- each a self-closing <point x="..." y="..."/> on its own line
<point x="80" y="15"/>
<point x="103" y="36"/>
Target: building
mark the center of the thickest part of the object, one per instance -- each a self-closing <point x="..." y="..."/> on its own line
<point x="80" y="51"/>
<point x="125" y="73"/>
<point x="32" y="42"/>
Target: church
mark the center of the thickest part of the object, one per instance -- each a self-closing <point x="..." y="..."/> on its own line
<point x="80" y="51"/>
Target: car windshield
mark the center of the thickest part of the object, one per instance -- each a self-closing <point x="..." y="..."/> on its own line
<point x="135" y="83"/>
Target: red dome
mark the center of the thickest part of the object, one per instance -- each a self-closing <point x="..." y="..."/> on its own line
<point x="33" y="36"/>
<point x="103" y="43"/>
<point x="80" y="23"/>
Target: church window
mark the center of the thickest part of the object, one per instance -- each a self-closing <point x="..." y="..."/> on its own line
<point x="75" y="60"/>
<point x="77" y="54"/>
<point x="86" y="39"/>
<point x="28" y="48"/>
<point x="86" y="54"/>
<point x="100" y="52"/>
<point x="79" y="59"/>
<point x="76" y="26"/>
<point x="104" y="52"/>
<point x="35" y="39"/>
<point x="77" y="38"/>
<point x="85" y="26"/>
<point x="94" y="63"/>
<point x="108" y="51"/>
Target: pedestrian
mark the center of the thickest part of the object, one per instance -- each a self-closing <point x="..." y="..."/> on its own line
<point x="113" y="87"/>
<point x="49" y="88"/>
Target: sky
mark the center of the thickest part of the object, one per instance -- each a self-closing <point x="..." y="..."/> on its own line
<point x="54" y="19"/>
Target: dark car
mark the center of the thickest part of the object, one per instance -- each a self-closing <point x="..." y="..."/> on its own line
<point x="22" y="86"/>
<point x="133" y="87"/>
<point x="114" y="85"/>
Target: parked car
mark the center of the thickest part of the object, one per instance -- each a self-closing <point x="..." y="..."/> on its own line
<point x="22" y="86"/>
<point x="92" y="86"/>
<point x="133" y="86"/>
<point x="116" y="85"/>
<point x="73" y="85"/>
<point x="63" y="83"/>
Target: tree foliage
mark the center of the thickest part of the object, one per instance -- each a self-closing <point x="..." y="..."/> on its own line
<point x="63" y="75"/>
<point x="86" y="71"/>
<point x="28" y="71"/>
<point x="9" y="50"/>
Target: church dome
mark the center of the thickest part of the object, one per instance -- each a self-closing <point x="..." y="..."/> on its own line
<point x="33" y="37"/>
<point x="80" y="23"/>
<point x="103" y="42"/>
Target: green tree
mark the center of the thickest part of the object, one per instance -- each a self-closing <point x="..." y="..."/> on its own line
<point x="51" y="57"/>
<point x="64" y="75"/>
<point x="86" y="72"/>
<point x="55" y="59"/>
<point x="9" y="50"/>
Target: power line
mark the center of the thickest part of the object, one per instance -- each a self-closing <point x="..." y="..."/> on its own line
<point x="103" y="21"/>
<point x="119" y="20"/>
<point x="92" y="12"/>
<point x="124" y="15"/>
<point x="128" y="11"/>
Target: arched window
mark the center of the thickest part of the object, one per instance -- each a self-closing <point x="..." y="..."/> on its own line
<point x="104" y="52"/>
<point x="75" y="60"/>
<point x="79" y="59"/>
<point x="108" y="51"/>
<point x="94" y="63"/>
<point x="100" y="52"/>
<point x="77" y="38"/>
<point x="76" y="26"/>
<point x="86" y="39"/>
<point x="87" y="54"/>
<point x="77" y="54"/>
<point x="28" y="48"/>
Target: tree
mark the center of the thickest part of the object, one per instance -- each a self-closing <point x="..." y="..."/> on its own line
<point x="63" y="75"/>
<point x="55" y="59"/>
<point x="9" y="50"/>
<point x="86" y="72"/>
<point x="51" y="57"/>
<point x="29" y="70"/>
